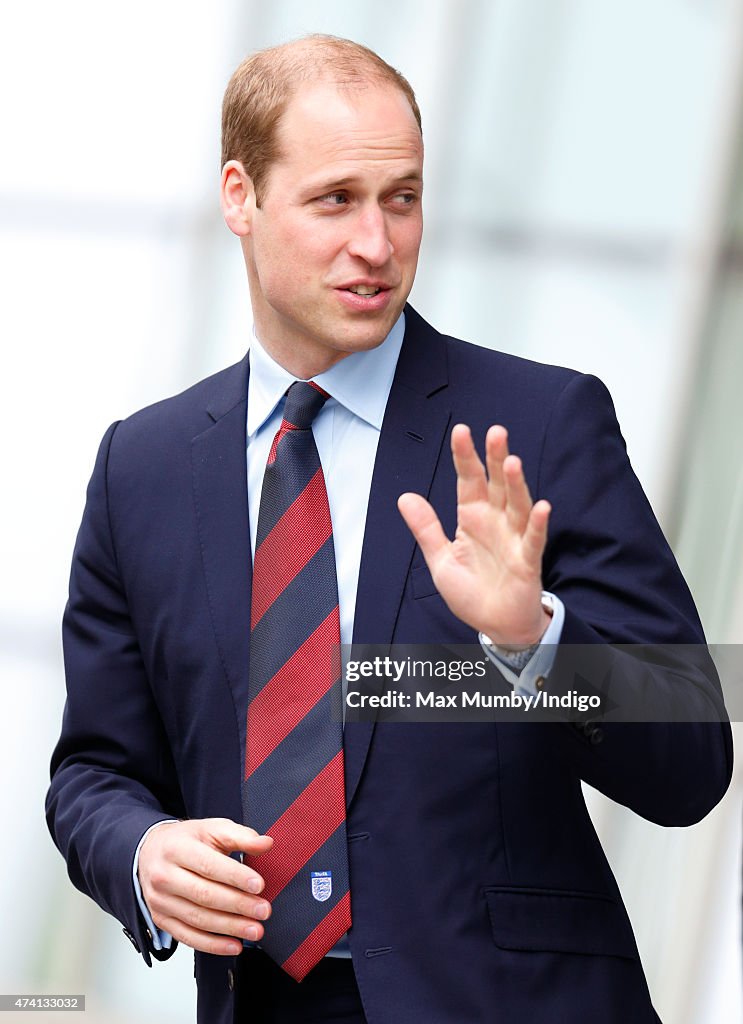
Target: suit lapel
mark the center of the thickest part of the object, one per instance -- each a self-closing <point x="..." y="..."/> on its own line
<point x="219" y="466"/>
<point x="413" y="431"/>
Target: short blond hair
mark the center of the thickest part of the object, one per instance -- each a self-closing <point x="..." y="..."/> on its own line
<point x="259" y="92"/>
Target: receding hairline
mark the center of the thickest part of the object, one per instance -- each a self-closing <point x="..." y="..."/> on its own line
<point x="361" y="65"/>
<point x="351" y="91"/>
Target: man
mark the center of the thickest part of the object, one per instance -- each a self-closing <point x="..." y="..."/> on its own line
<point x="465" y="879"/>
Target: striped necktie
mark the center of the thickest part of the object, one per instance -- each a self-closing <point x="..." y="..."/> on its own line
<point x="293" y="786"/>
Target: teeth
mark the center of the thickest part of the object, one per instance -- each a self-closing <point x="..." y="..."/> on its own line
<point x="363" y="289"/>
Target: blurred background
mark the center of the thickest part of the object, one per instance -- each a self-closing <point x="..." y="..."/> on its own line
<point x="584" y="205"/>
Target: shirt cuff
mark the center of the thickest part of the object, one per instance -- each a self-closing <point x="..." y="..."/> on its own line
<point x="540" y="658"/>
<point x="160" y="939"/>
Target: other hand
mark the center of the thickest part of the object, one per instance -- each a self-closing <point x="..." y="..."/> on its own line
<point x="198" y="893"/>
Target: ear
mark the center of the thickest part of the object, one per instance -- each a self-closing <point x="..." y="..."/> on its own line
<point x="237" y="197"/>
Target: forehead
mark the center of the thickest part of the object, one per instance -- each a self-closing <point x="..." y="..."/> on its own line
<point x="326" y="126"/>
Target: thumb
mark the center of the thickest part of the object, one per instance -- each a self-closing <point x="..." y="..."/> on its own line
<point x="425" y="526"/>
<point x="231" y="837"/>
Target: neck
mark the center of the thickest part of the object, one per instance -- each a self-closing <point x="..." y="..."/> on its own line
<point x="300" y="361"/>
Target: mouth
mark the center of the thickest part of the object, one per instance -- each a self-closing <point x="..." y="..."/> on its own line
<point x="366" y="298"/>
<point x="364" y="289"/>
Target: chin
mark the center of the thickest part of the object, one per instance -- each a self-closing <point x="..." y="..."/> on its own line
<point x="366" y="342"/>
<point x="371" y="333"/>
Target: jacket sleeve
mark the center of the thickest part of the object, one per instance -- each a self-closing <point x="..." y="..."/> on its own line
<point x="631" y="629"/>
<point x="112" y="776"/>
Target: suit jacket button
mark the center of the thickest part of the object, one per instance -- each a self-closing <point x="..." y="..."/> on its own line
<point x="231" y="980"/>
<point x="539" y="682"/>
<point x="131" y="939"/>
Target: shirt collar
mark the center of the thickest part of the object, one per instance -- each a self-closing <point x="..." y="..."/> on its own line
<point x="361" y="382"/>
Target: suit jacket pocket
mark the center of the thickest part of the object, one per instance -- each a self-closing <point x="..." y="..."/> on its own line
<point x="560" y="921"/>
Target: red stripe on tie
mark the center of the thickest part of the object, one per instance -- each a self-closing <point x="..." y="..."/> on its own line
<point x="293" y="691"/>
<point x="284" y="429"/>
<point x="301" y="831"/>
<point x="322" y="938"/>
<point x="298" y="535"/>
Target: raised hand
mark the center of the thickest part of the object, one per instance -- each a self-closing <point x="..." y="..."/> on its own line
<point x="490" y="575"/>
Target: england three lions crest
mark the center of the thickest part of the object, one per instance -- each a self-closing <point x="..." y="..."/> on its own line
<point x="322" y="885"/>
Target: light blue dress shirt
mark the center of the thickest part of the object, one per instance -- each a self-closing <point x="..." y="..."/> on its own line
<point x="346" y="432"/>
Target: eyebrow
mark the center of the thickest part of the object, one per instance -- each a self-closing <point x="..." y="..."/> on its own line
<point x="330" y="185"/>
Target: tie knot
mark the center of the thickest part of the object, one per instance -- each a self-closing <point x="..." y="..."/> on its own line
<point x="304" y="400"/>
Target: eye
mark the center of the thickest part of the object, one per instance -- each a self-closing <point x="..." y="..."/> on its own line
<point x="405" y="199"/>
<point x="334" y="198"/>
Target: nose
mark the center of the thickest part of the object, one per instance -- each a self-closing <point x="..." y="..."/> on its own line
<point x="370" y="240"/>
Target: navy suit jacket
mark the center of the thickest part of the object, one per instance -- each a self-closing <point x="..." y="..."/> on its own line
<point x="480" y="892"/>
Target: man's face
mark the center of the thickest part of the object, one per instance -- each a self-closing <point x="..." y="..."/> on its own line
<point x="333" y="248"/>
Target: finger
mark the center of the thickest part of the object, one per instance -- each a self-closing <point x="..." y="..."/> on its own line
<point x="424" y="524"/>
<point x="535" y="535"/>
<point x="205" y="942"/>
<point x="215" y="922"/>
<point x="496" y="450"/>
<point x="221" y="834"/>
<point x="213" y="865"/>
<point x="472" y="483"/>
<point x="202" y="847"/>
<point x="211" y="896"/>
<point x="518" y="499"/>
<point x="231" y="837"/>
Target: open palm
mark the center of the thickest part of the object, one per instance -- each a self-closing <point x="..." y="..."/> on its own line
<point x="490" y="574"/>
